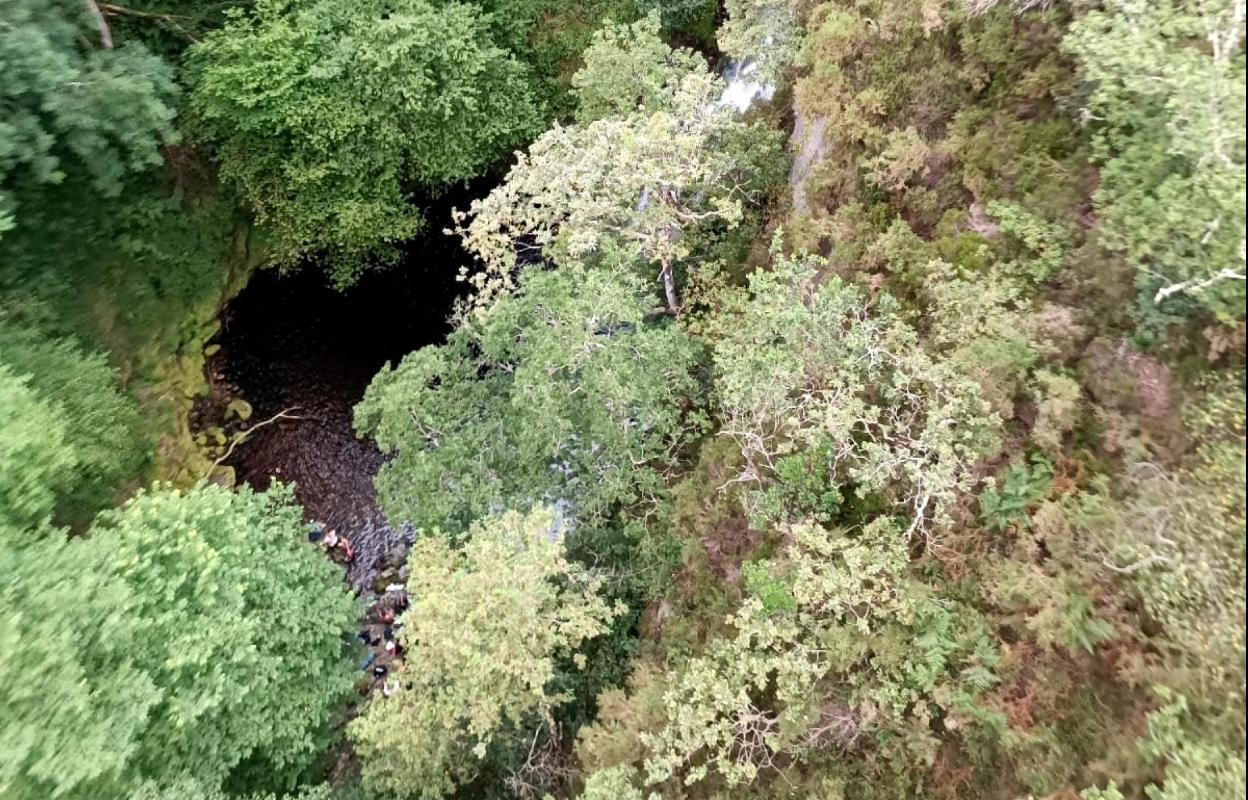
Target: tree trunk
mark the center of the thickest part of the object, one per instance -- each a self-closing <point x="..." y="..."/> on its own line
<point x="101" y="24"/>
<point x="669" y="289"/>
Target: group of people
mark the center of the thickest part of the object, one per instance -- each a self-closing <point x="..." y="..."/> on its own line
<point x="380" y="636"/>
<point x="383" y="620"/>
<point x="338" y="547"/>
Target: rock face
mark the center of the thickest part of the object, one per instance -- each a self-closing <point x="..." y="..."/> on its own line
<point x="810" y="147"/>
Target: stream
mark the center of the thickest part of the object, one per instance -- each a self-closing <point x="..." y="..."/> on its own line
<point x="289" y="341"/>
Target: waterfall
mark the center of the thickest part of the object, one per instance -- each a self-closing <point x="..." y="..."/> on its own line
<point x="744" y="86"/>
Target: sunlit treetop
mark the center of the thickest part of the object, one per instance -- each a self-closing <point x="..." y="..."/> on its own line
<point x="488" y="624"/>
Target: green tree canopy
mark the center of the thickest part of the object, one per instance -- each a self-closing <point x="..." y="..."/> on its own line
<point x="627" y="67"/>
<point x="487" y="624"/>
<point x="242" y="626"/>
<point x="188" y="633"/>
<point x="635" y="188"/>
<point x="568" y="391"/>
<point x="326" y="116"/>
<point x="1168" y="103"/>
<point x="833" y="642"/>
<point x="34" y="456"/>
<point x="814" y="368"/>
<point x="101" y="423"/>
<point x="761" y="31"/>
<point x="190" y="789"/>
<point x="686" y="18"/>
<point x="74" y="695"/>
<point x="72" y="100"/>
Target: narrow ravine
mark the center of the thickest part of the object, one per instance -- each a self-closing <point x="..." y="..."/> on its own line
<point x="290" y="342"/>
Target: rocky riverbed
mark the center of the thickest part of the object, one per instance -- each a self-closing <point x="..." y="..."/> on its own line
<point x="292" y="343"/>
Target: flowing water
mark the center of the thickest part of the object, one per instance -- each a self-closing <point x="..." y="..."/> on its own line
<point x="744" y="86"/>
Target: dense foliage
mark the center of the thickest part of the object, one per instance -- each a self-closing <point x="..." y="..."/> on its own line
<point x="629" y="68"/>
<point x="327" y="162"/>
<point x="98" y="113"/>
<point x="101" y="424"/>
<point x="1169" y="95"/>
<point x="570" y="392"/>
<point x="490" y="621"/>
<point x="631" y="190"/>
<point x="903" y="460"/>
<point x="812" y="380"/>
<point x="187" y="633"/>
<point x="33" y="454"/>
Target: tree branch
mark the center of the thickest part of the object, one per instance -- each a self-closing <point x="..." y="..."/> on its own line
<point x="1137" y="566"/>
<point x="242" y="436"/>
<point x="1193" y="286"/>
<point x="113" y="9"/>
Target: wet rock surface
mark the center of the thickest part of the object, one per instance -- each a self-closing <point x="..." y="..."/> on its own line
<point x="290" y="342"/>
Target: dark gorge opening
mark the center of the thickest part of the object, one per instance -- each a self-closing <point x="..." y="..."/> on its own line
<point x="290" y="342"/>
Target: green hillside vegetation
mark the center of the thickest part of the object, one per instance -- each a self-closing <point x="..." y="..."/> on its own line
<point x="884" y="440"/>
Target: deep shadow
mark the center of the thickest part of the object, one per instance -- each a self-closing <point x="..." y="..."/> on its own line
<point x="290" y="341"/>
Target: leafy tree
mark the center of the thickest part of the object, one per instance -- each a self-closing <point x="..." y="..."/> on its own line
<point x="1059" y="398"/>
<point x="979" y="323"/>
<point x="857" y="650"/>
<point x="1176" y="536"/>
<point x="629" y="67"/>
<point x="326" y="116"/>
<point x="550" y="36"/>
<point x="567" y="393"/>
<point x="189" y="632"/>
<point x="34" y="455"/>
<point x="937" y="102"/>
<point x="101" y="424"/>
<point x="614" y="783"/>
<point x="1196" y="766"/>
<point x="812" y="365"/>
<point x="190" y="789"/>
<point x="487" y="624"/>
<point x="634" y="188"/>
<point x="1045" y="243"/>
<point x="683" y="18"/>
<point x="75" y="693"/>
<point x="73" y="101"/>
<point x="762" y="31"/>
<point x="242" y="627"/>
<point x="1168" y="103"/>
